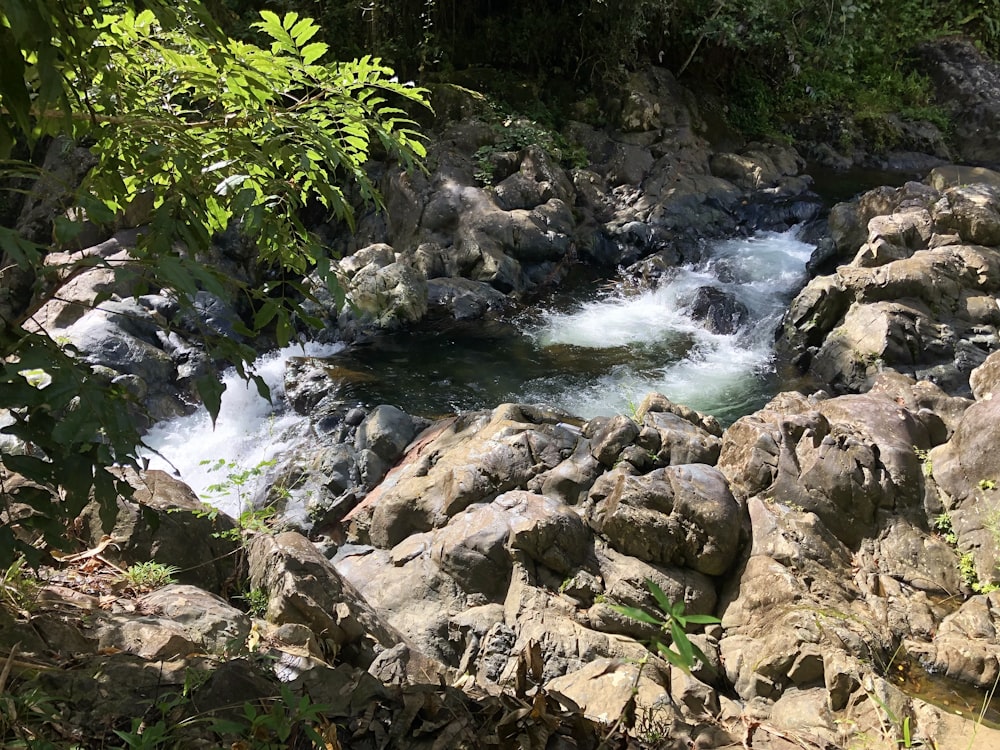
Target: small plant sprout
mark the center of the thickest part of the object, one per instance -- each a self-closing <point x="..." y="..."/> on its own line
<point x="942" y="522"/>
<point x="256" y="600"/>
<point x="150" y="575"/>
<point x="672" y="623"/>
<point x="924" y="457"/>
<point x="240" y="483"/>
<point x="18" y="586"/>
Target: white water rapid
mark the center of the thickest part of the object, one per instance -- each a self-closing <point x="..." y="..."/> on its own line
<point x="718" y="373"/>
<point x="248" y="431"/>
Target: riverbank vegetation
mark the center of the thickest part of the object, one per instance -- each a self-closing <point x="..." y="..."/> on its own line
<point x="192" y="134"/>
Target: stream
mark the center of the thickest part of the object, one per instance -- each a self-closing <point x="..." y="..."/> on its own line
<point x="597" y="349"/>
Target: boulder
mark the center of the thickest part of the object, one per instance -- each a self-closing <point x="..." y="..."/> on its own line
<point x="966" y="469"/>
<point x="304" y="587"/>
<point x="167" y="523"/>
<point x="177" y="620"/>
<point x="985" y="379"/>
<point x="472" y="549"/>
<point x="917" y="298"/>
<point x="625" y="583"/>
<point x="845" y="459"/>
<point x="538" y="179"/>
<point x="386" y="431"/>
<point x="680" y="515"/>
<point x="605" y="688"/>
<point x="760" y="165"/>
<point x="387" y="296"/>
<point x="965" y="645"/>
<point x="545" y="530"/>
<point x="464" y="299"/>
<point x="415" y="596"/>
<point x="474" y="459"/>
<point x="719" y="311"/>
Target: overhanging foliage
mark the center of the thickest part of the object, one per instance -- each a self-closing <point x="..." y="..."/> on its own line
<point x="208" y="134"/>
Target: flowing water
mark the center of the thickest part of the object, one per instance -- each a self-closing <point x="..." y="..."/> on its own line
<point x="658" y="346"/>
<point x="597" y="350"/>
<point x="600" y="349"/>
<point x="249" y="431"/>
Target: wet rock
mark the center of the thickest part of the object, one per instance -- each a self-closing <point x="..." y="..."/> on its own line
<point x="720" y="311"/>
<point x="121" y="336"/>
<point x="308" y="381"/>
<point x="464" y="299"/>
<point x="609" y="436"/>
<point x="965" y="645"/>
<point x="386" y="432"/>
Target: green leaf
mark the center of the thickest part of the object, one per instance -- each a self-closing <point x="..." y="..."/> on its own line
<point x="210" y="390"/>
<point x="635" y="613"/>
<point x="672" y="657"/>
<point x="283" y="328"/>
<point x="303" y="31"/>
<point x="265" y="314"/>
<point x="683" y="645"/>
<point x="312" y="52"/>
<point x="661" y="598"/>
<point x="701" y="619"/>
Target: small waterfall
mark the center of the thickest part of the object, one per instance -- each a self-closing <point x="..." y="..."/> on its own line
<point x="248" y="431"/>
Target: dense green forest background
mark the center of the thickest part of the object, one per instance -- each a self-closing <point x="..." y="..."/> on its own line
<point x="770" y="61"/>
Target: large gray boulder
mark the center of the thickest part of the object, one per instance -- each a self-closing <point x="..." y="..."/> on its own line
<point x="167" y="523"/>
<point x="680" y="515"/>
<point x="471" y="460"/>
<point x="848" y="460"/>
<point x="303" y="587"/>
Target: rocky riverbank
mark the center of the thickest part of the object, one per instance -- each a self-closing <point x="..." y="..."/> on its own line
<point x="460" y="582"/>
